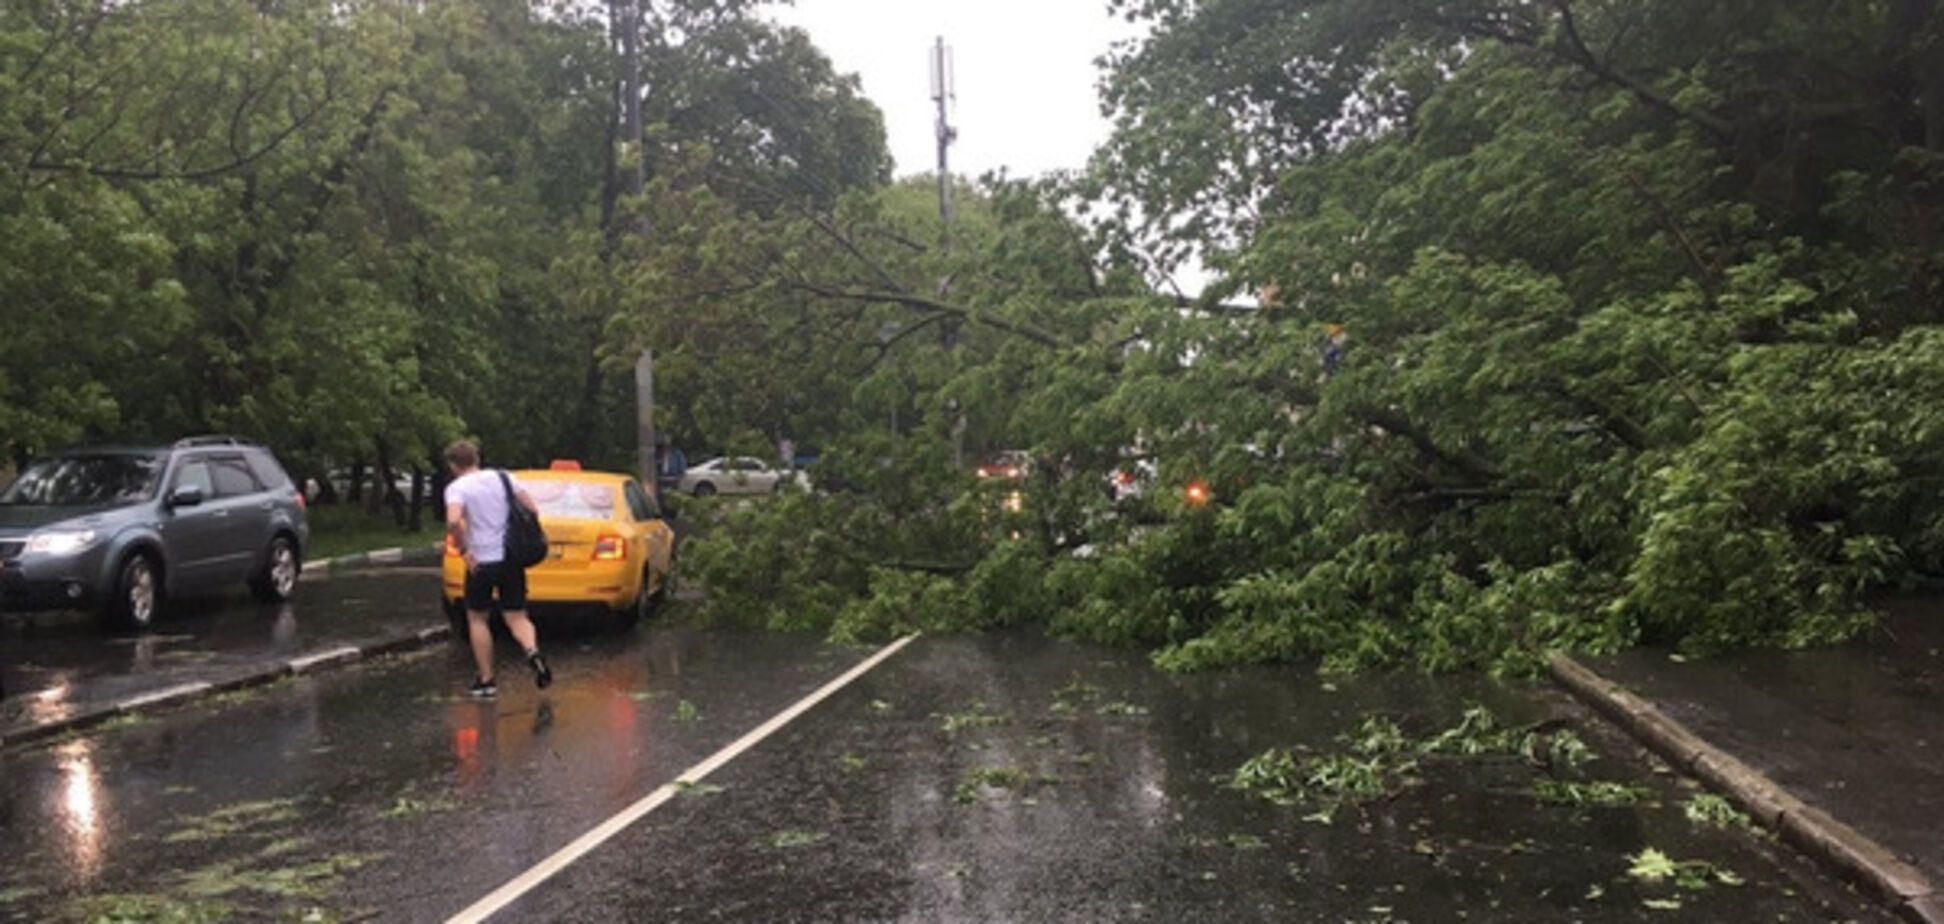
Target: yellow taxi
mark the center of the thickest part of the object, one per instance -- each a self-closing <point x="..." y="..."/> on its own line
<point x="611" y="547"/>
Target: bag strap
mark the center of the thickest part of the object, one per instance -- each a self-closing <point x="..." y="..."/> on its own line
<point x="507" y="484"/>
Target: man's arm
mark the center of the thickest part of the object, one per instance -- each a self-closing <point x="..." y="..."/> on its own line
<point x="456" y="529"/>
<point x="527" y="501"/>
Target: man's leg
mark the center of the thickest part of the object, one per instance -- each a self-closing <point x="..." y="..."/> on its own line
<point x="522" y="629"/>
<point x="481" y="632"/>
<point x="512" y="595"/>
<point x="479" y="603"/>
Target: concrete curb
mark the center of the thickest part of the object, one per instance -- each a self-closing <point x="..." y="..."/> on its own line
<point x="1813" y="831"/>
<point x="303" y="665"/>
<point x="405" y="555"/>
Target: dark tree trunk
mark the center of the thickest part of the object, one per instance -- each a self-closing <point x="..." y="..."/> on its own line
<point x="581" y="443"/>
<point x="440" y="477"/>
<point x="387" y="494"/>
<point x="326" y="491"/>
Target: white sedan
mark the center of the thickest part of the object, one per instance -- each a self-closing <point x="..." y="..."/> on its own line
<point x="733" y="475"/>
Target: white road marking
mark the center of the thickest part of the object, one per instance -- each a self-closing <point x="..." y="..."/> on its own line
<point x="520" y="885"/>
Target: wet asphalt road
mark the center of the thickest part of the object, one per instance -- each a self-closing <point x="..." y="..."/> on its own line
<point x="377" y="793"/>
<point x="61" y="662"/>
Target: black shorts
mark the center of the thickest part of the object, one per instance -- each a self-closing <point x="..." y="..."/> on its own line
<point x="506" y="578"/>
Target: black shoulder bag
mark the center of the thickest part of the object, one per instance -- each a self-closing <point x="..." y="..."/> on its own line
<point x="526" y="542"/>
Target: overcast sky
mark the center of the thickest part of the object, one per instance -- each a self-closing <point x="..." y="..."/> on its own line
<point x="1026" y="77"/>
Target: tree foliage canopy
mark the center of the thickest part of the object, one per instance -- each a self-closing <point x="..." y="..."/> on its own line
<point x="1580" y="322"/>
<point x="1643" y="342"/>
<point x="357" y="230"/>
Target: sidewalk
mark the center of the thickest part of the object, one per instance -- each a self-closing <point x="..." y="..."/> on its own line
<point x="1855" y="731"/>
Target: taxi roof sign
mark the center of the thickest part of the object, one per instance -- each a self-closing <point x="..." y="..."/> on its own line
<point x="564" y="465"/>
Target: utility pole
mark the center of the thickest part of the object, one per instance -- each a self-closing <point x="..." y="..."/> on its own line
<point x="625" y="17"/>
<point x="944" y="93"/>
<point x="645" y="456"/>
<point x="631" y="95"/>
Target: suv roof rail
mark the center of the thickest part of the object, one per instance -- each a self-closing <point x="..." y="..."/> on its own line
<point x="214" y="439"/>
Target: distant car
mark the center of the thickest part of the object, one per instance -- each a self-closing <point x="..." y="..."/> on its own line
<point x="732" y="475"/>
<point x="610" y="546"/>
<point x="1010" y="464"/>
<point x="340" y="480"/>
<point x="122" y="530"/>
<point x="1130" y="481"/>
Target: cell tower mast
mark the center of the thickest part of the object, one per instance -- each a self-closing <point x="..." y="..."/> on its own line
<point x="944" y="91"/>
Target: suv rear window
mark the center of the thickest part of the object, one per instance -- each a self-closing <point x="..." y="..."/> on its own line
<point x="233" y="476"/>
<point x="85" y="480"/>
<point x="267" y="470"/>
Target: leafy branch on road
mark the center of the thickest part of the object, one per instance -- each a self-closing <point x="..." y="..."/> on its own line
<point x="1379" y="760"/>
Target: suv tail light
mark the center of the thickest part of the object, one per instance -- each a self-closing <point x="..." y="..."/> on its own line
<point x="611" y="548"/>
<point x="301" y="503"/>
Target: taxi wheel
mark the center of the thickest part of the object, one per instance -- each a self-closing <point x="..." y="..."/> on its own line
<point x="639" y="609"/>
<point x="666" y="591"/>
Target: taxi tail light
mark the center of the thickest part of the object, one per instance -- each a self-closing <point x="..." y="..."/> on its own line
<point x="610" y="548"/>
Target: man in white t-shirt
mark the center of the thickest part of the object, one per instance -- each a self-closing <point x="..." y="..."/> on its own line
<point x="476" y="512"/>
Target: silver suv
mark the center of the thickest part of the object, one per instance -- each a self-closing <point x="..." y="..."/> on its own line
<point x="122" y="530"/>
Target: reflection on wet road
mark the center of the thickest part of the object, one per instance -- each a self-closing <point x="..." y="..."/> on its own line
<point x="58" y="663"/>
<point x="993" y="778"/>
<point x="379" y="789"/>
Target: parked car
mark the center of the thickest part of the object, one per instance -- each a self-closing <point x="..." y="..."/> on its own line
<point x="340" y="480"/>
<point x="732" y="475"/>
<point x="611" y="548"/>
<point x="123" y="530"/>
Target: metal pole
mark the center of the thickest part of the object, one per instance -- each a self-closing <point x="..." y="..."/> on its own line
<point x="645" y="422"/>
<point x="943" y="93"/>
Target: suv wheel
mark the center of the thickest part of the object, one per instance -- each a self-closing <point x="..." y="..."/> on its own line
<point x="137" y="593"/>
<point x="278" y="579"/>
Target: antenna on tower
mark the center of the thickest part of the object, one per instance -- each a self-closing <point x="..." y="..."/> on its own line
<point x="944" y="92"/>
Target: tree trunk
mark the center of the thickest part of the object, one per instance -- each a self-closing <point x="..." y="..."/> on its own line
<point x="385" y="493"/>
<point x="625" y="153"/>
<point x="580" y="445"/>
<point x="440" y="477"/>
<point x="636" y="170"/>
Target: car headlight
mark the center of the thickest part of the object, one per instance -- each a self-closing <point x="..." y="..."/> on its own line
<point x="60" y="541"/>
